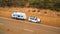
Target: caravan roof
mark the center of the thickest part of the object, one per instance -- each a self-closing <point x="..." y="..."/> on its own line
<point x="19" y="13"/>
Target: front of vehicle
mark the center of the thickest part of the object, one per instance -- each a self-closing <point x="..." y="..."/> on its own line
<point x="38" y="20"/>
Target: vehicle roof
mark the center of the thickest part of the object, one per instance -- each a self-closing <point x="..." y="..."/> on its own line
<point x="19" y="13"/>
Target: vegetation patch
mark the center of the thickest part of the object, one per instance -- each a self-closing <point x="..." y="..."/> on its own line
<point x="58" y="15"/>
<point x="34" y="11"/>
<point x="45" y="12"/>
<point x="45" y="4"/>
<point x="38" y="11"/>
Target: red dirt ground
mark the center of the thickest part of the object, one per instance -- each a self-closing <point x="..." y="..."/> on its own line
<point x="49" y="18"/>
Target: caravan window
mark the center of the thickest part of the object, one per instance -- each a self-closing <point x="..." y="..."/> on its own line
<point x="18" y="15"/>
<point x="21" y="16"/>
<point x="13" y="15"/>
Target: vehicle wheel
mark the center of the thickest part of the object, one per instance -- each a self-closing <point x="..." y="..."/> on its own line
<point x="37" y="22"/>
<point x="17" y="18"/>
<point x="12" y="18"/>
<point x="29" y="21"/>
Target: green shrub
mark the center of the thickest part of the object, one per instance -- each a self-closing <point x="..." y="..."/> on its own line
<point x="57" y="9"/>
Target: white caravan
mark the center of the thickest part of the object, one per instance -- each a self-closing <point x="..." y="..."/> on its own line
<point x="18" y="15"/>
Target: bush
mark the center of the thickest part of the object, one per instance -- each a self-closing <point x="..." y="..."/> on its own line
<point x="45" y="12"/>
<point x="57" y="9"/>
<point x="38" y="11"/>
<point x="34" y="11"/>
<point x="58" y="14"/>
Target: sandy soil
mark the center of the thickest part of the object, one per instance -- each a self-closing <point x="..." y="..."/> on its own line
<point x="50" y="18"/>
<point x="11" y="26"/>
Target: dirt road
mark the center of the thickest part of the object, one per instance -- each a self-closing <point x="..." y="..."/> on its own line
<point x="11" y="26"/>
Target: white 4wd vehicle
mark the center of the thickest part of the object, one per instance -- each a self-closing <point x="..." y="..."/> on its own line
<point x="34" y="19"/>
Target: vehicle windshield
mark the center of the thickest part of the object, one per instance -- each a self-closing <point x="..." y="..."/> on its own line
<point x="33" y="18"/>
